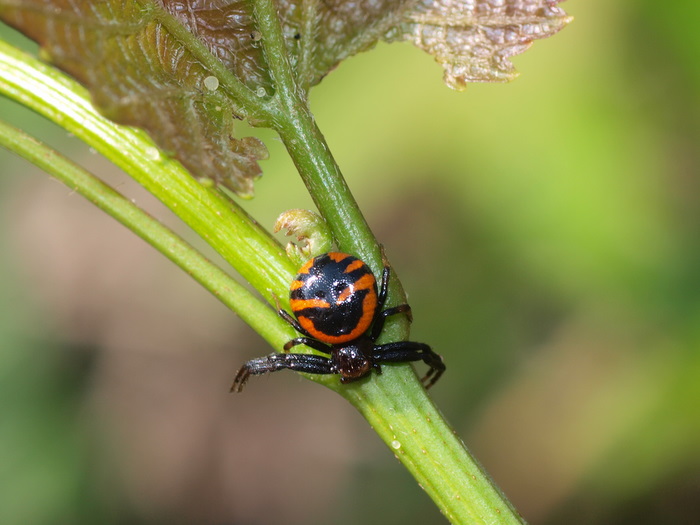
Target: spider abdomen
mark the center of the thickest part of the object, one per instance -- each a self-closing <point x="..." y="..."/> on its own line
<point x="334" y="297"/>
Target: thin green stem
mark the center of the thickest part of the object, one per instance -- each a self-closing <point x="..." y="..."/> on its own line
<point x="318" y="169"/>
<point x="308" y="148"/>
<point x="257" y="314"/>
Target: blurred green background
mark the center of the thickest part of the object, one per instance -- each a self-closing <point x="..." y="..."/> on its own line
<point x="547" y="232"/>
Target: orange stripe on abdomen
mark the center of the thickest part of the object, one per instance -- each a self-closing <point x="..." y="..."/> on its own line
<point x="301" y="304"/>
<point x="354" y="265"/>
<point x="296" y="285"/>
<point x="338" y="256"/>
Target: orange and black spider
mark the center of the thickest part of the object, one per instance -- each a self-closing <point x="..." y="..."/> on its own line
<point x="340" y="312"/>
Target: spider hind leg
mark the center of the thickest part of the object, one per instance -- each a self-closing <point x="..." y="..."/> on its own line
<point x="308" y="363"/>
<point x="405" y="351"/>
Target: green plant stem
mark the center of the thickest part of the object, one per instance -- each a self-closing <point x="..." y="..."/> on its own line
<point x="308" y="149"/>
<point x="257" y="314"/>
<point x="395" y="403"/>
<point x="400" y="412"/>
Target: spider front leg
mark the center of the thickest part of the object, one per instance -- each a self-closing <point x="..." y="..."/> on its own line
<point x="308" y="363"/>
<point x="288" y="317"/>
<point x="404" y="351"/>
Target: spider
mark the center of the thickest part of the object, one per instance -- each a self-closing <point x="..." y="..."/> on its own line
<point x="340" y="313"/>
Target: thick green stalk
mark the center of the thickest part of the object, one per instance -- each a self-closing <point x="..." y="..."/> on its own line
<point x="217" y="219"/>
<point x="403" y="415"/>
<point x="254" y="312"/>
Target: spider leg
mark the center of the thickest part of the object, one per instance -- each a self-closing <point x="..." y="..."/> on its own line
<point x="403" y="351"/>
<point x="378" y="325"/>
<point x="384" y="288"/>
<point x="308" y="363"/>
<point x="295" y="324"/>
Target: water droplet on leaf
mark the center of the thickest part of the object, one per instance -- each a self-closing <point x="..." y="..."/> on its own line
<point x="211" y="83"/>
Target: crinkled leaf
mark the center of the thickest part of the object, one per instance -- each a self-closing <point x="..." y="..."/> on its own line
<point x="185" y="70"/>
<point x="323" y="33"/>
<point x="140" y="72"/>
<point x="474" y="39"/>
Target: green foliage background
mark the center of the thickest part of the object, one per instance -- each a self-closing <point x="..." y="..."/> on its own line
<point x="546" y="232"/>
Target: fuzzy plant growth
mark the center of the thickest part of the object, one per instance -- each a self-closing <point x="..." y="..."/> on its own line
<point x="180" y="73"/>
